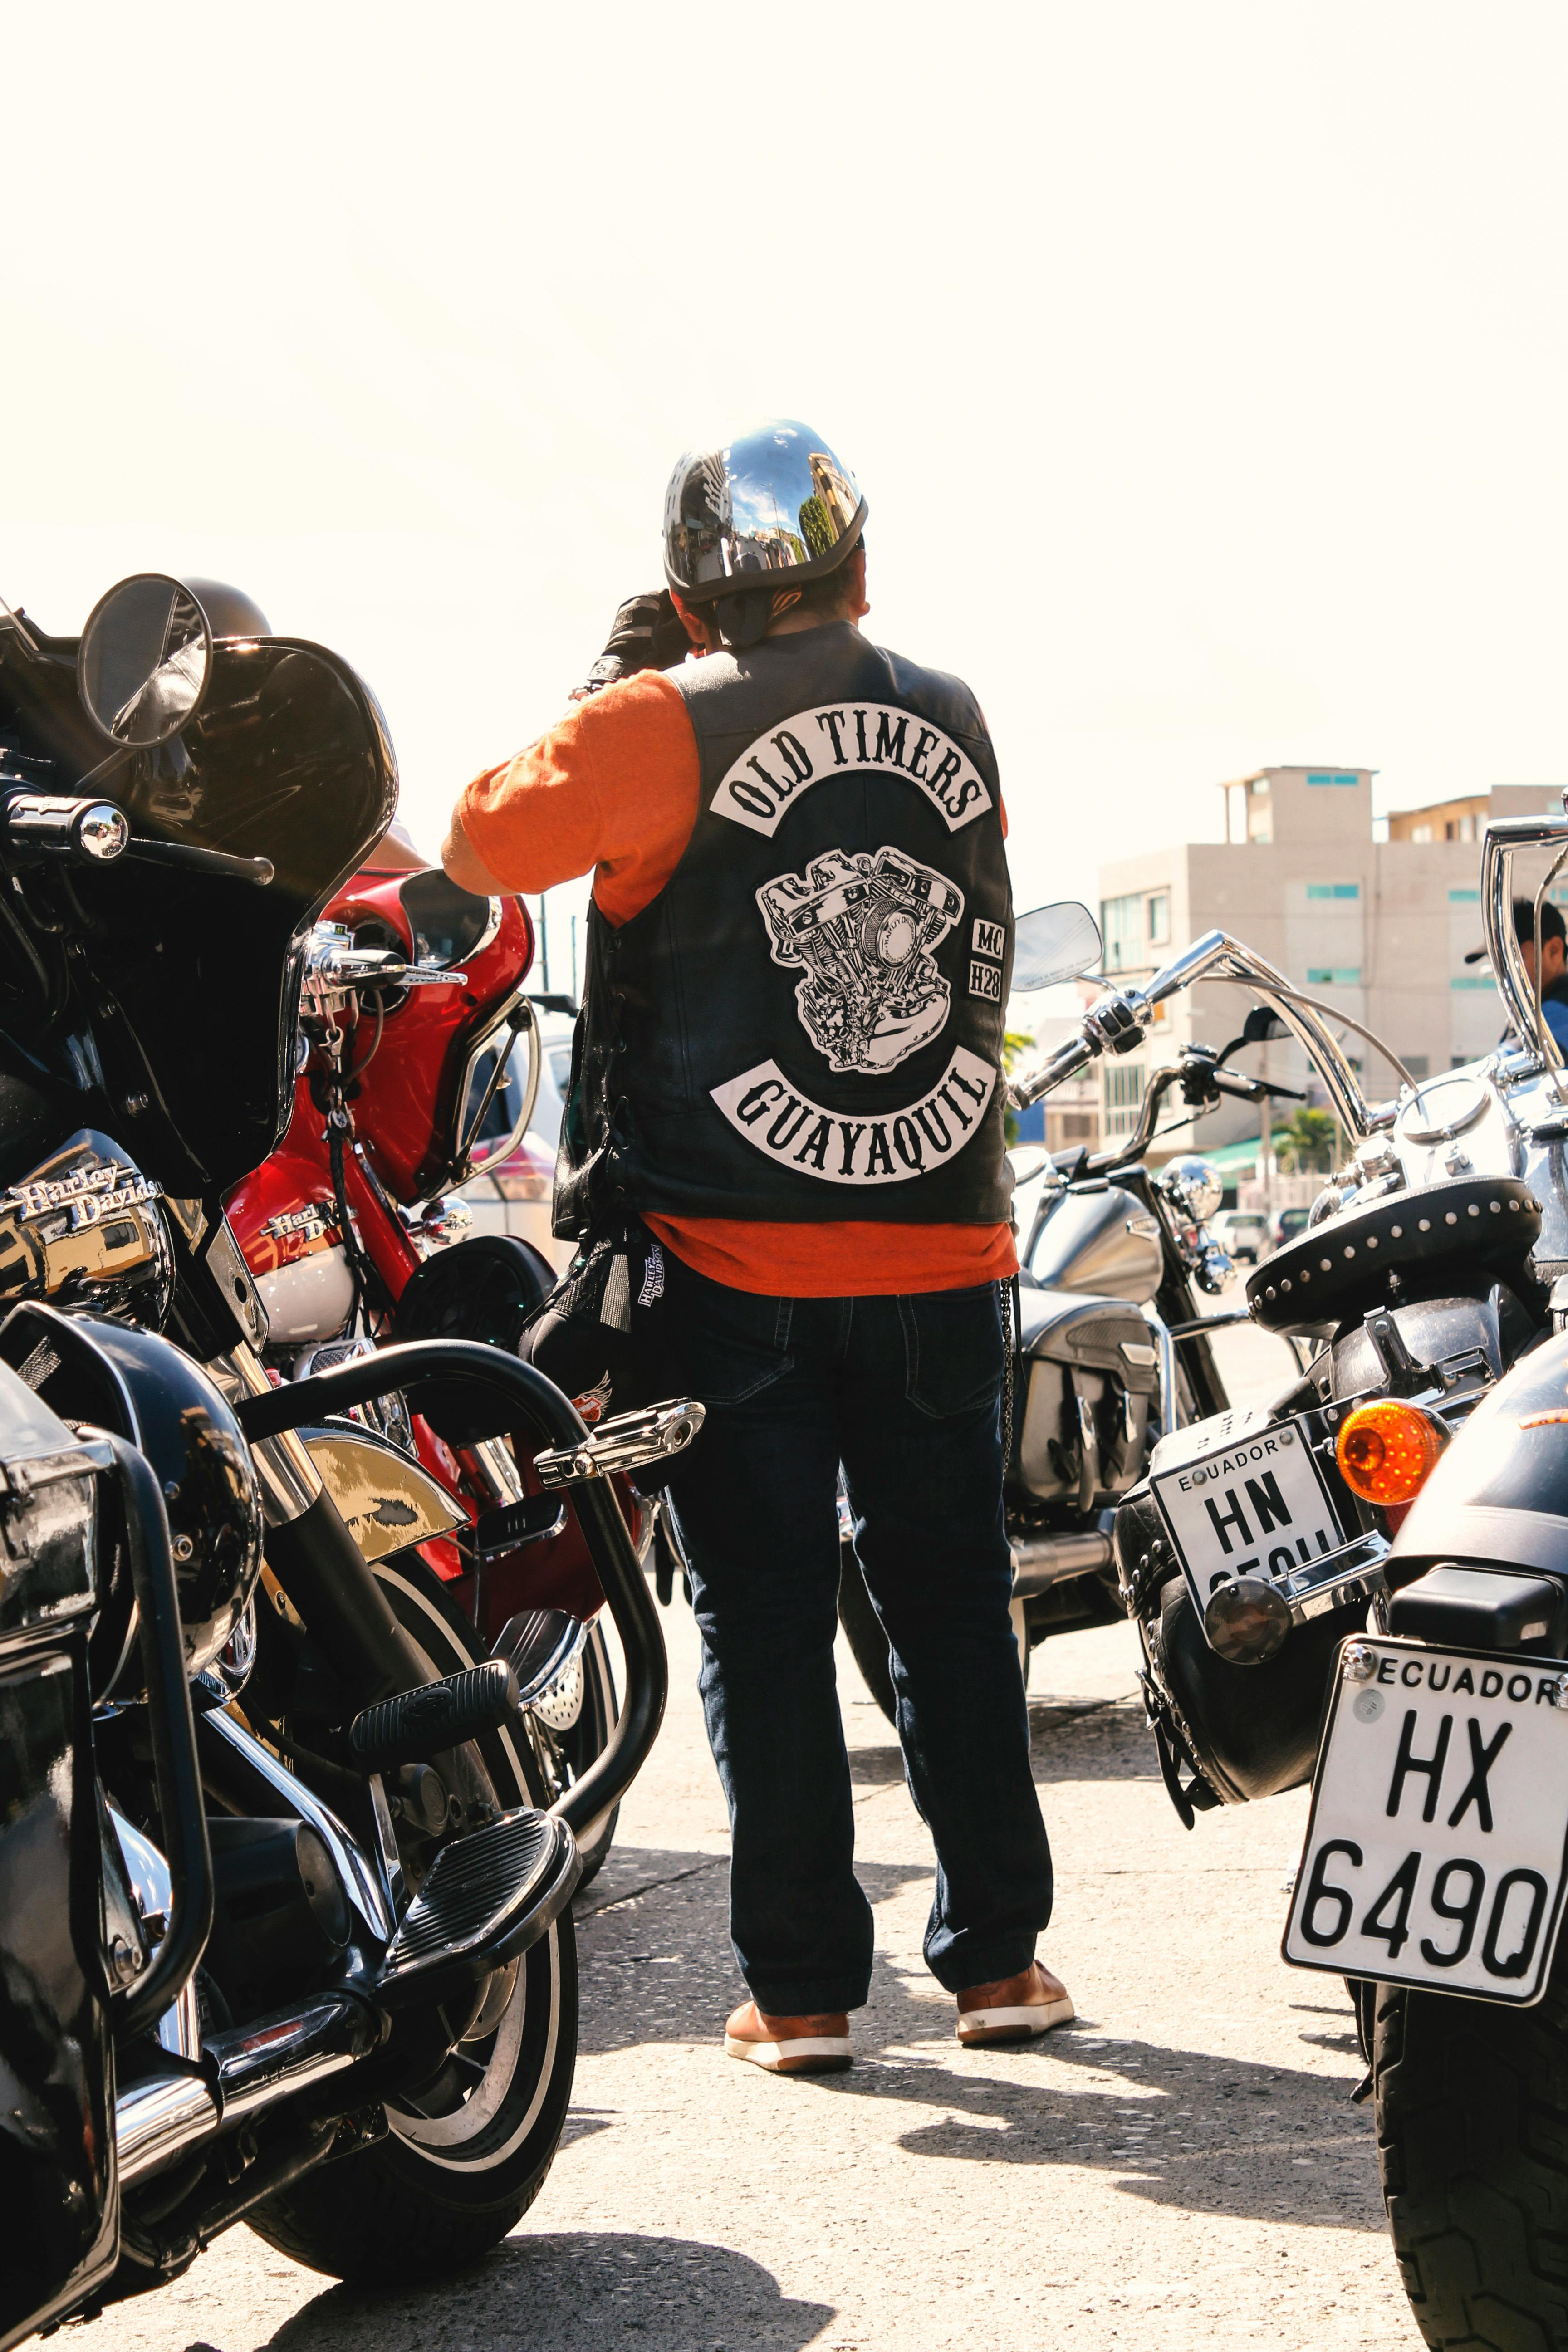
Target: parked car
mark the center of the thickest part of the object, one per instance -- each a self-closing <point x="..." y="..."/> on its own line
<point x="554" y="1076"/>
<point x="1284" y="1225"/>
<point x="514" y="1198"/>
<point x="1241" y="1233"/>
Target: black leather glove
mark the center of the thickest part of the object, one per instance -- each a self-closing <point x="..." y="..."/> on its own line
<point x="648" y="634"/>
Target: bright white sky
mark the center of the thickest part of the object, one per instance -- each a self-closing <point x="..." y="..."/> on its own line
<point x="1204" y="366"/>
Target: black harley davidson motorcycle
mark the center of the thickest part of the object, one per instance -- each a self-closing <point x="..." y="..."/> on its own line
<point x="1110" y="1341"/>
<point x="284" y="1923"/>
<point x="1364" y="1586"/>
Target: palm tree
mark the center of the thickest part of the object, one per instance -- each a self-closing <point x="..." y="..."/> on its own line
<point x="1308" y="1144"/>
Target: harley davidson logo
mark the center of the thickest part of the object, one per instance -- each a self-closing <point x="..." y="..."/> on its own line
<point x="862" y="929"/>
<point x="816" y="744"/>
<point x="796" y="1133"/>
<point x="310" y="1223"/>
<point x="91" y="1194"/>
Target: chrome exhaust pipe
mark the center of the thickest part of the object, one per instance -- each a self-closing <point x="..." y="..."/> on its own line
<point x="1040" y="1561"/>
<point x="156" y="2121"/>
<point x="253" y="2066"/>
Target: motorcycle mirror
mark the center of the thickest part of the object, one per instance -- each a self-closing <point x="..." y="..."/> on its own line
<point x="144" y="660"/>
<point x="1261" y="1025"/>
<point x="1052" y="943"/>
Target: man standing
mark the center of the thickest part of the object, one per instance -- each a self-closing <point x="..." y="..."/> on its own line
<point x="1553" y="964"/>
<point x="799" y="949"/>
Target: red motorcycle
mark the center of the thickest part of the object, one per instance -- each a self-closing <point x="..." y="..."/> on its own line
<point x="419" y="1067"/>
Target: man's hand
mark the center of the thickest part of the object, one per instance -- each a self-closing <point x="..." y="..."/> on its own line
<point x="647" y="633"/>
<point x="467" y="868"/>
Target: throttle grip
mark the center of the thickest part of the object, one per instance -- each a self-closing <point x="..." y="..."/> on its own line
<point x="94" y="831"/>
<point x="1063" y="1064"/>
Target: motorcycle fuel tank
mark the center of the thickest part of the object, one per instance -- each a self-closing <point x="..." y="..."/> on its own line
<point x="82" y="1228"/>
<point x="286" y="1223"/>
<point x="1098" y="1237"/>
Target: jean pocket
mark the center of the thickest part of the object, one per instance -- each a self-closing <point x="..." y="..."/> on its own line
<point x="732" y="1344"/>
<point x="952" y="1350"/>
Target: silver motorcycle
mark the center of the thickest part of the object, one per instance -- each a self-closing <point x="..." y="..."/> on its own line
<point x="1364" y="1586"/>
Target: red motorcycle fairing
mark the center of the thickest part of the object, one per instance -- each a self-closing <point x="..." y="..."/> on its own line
<point x="407" y="1108"/>
<point x="408" y="1122"/>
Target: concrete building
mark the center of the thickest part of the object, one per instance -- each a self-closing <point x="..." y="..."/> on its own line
<point x="1377" y="928"/>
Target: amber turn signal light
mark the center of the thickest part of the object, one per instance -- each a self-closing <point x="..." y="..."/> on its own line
<point x="1386" y="1451"/>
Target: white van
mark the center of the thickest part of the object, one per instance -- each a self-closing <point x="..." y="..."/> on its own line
<point x="1241" y="1233"/>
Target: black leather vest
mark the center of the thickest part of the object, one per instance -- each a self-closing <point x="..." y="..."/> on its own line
<point x="806" y="1021"/>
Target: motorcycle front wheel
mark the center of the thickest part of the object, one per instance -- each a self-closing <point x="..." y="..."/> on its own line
<point x="1472" y="2147"/>
<point x="457" y="2172"/>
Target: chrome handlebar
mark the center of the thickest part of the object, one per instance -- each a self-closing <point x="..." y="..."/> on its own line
<point x="1121" y="1020"/>
<point x="1504" y="835"/>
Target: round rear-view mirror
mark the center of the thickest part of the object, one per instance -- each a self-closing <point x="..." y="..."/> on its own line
<point x="1054" y="943"/>
<point x="144" y="660"/>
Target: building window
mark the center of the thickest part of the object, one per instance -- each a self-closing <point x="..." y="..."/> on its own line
<point x="1420" y="833"/>
<point x="1333" y="975"/>
<point x="1463" y="898"/>
<point x="1122" y="929"/>
<point x="1334" y="889"/>
<point x="1335" y="779"/>
<point x="1124" y="1096"/>
<point x="1160" y="920"/>
<point x="1260" y="811"/>
<point x="1417" y="1065"/>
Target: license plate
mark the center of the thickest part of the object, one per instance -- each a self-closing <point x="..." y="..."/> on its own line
<point x="1257" y="1507"/>
<point x="1437" y="1842"/>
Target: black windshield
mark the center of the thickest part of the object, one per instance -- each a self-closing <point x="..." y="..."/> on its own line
<point x="188" y="983"/>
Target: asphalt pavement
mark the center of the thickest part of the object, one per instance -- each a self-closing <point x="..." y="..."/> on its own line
<point x="1182" y="2168"/>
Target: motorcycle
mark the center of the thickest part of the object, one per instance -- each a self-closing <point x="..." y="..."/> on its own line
<point x="1364" y="1586"/>
<point x="285" y="1930"/>
<point x="1109" y="1345"/>
<point x="420" y="1060"/>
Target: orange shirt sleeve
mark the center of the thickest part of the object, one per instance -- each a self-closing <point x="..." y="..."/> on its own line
<point x="614" y="786"/>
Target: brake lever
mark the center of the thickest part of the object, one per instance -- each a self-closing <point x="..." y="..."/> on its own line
<point x="1254" y="1090"/>
<point x="178" y="855"/>
<point x="362" y="970"/>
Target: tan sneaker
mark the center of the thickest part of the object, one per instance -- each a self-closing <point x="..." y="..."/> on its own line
<point x="1012" y="2010"/>
<point x="788" y="2045"/>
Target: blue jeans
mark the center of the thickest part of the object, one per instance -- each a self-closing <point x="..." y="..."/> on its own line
<point x="905" y="1392"/>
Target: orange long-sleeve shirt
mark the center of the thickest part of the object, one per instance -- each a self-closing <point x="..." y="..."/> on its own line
<point x="616" y="787"/>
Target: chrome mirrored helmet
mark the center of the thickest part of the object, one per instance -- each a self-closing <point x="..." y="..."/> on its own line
<point x="774" y="501"/>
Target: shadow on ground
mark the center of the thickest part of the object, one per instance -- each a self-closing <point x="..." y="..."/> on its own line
<point x="557" y="2289"/>
<point x="1180" y="2127"/>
